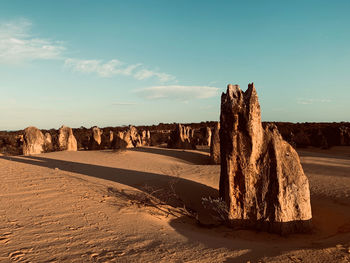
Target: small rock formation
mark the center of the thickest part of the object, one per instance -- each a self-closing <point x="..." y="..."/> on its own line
<point x="127" y="139"/>
<point x="215" y="145"/>
<point x="95" y="138"/>
<point x="118" y="141"/>
<point x="96" y="133"/>
<point x="111" y="136"/>
<point x="146" y="138"/>
<point x="262" y="181"/>
<point x="202" y="136"/>
<point x="33" y="141"/>
<point x="134" y="136"/>
<point x="180" y="138"/>
<point x="208" y="136"/>
<point x="48" y="146"/>
<point x="66" y="139"/>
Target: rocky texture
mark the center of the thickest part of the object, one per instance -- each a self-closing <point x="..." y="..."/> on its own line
<point x="95" y="139"/>
<point x="215" y="145"/>
<point x="33" y="141"/>
<point x="134" y="136"/>
<point x="111" y="136"/>
<point x="145" y="138"/>
<point x="322" y="135"/>
<point x="262" y="181"/>
<point x="96" y="134"/>
<point x="208" y="136"/>
<point x="180" y="138"/>
<point x="48" y="146"/>
<point x="201" y="136"/>
<point x="66" y="139"/>
<point x="121" y="140"/>
<point x="127" y="139"/>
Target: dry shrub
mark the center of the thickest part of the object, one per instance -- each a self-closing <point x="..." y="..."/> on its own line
<point x="218" y="208"/>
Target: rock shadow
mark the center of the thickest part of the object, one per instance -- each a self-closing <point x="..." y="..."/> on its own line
<point x="191" y="157"/>
<point x="189" y="193"/>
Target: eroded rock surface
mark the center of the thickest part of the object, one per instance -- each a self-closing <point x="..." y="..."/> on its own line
<point x="48" y="146"/>
<point x="262" y="181"/>
<point x="95" y="138"/>
<point x="66" y="139"/>
<point x="134" y="136"/>
<point x="180" y="138"/>
<point x="33" y="141"/>
<point x="215" y="145"/>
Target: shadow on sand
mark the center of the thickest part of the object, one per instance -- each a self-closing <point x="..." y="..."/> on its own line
<point x="191" y="194"/>
<point x="191" y="157"/>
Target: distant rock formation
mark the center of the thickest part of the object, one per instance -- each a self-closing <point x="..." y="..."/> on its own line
<point x="119" y="142"/>
<point x="201" y="136"/>
<point x="208" y="135"/>
<point x="146" y="138"/>
<point x="48" y="146"/>
<point x="262" y="181"/>
<point x="96" y="134"/>
<point x="95" y="138"/>
<point x="66" y="139"/>
<point x="127" y="139"/>
<point x="215" y="145"/>
<point x="180" y="138"/>
<point x="33" y="141"/>
<point x="111" y="136"/>
<point x="134" y="136"/>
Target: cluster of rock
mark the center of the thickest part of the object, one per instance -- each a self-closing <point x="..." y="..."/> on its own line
<point x="131" y="138"/>
<point x="186" y="137"/>
<point x="261" y="180"/>
<point x="181" y="138"/>
<point x="35" y="142"/>
<point x="322" y="135"/>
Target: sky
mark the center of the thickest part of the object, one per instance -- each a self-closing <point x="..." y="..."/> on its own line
<point x="113" y="63"/>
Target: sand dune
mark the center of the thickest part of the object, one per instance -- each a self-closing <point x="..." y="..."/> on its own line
<point x="105" y="206"/>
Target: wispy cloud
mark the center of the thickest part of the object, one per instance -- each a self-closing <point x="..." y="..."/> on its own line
<point x="308" y="101"/>
<point x="103" y="69"/>
<point x="176" y="92"/>
<point x="18" y="44"/>
<point x="124" y="103"/>
<point x="115" y="67"/>
<point x="145" y="74"/>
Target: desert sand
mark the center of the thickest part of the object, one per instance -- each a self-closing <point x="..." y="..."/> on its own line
<point x="140" y="205"/>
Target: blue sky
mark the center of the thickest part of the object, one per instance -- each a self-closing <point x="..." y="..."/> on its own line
<point x="110" y="63"/>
